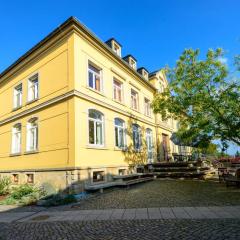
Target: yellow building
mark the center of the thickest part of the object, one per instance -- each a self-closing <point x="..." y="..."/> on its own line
<point x="74" y="112"/>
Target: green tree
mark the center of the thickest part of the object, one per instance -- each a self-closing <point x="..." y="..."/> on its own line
<point x="202" y="99"/>
<point x="237" y="154"/>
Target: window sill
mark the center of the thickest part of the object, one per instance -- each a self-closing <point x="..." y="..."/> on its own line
<point x="31" y="152"/>
<point x="120" y="149"/>
<point x="32" y="101"/>
<point x="136" y="110"/>
<point x="122" y="103"/>
<point x="15" y="154"/>
<point x="16" y="108"/>
<point x="96" y="147"/>
<point x="98" y="92"/>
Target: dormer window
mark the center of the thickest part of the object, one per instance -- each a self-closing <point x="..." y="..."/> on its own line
<point x="116" y="49"/>
<point x="114" y="45"/>
<point x="143" y="71"/>
<point x="131" y="61"/>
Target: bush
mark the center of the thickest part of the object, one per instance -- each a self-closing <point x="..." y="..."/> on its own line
<point x="4" y="185"/>
<point x="24" y="195"/>
<point x="59" y="199"/>
<point x="22" y="190"/>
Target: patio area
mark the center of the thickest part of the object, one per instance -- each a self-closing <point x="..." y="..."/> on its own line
<point x="165" y="193"/>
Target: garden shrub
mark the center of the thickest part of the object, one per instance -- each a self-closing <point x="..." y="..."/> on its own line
<point x="4" y="185"/>
<point x="24" y="195"/>
<point x="22" y="190"/>
<point x="60" y="199"/>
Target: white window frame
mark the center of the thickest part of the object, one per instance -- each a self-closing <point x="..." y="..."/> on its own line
<point x="17" y="96"/>
<point x="16" y="138"/>
<point x="147" y="107"/>
<point x="136" y="97"/>
<point x="95" y="123"/>
<point x="149" y="138"/>
<point x="32" y="135"/>
<point x="95" y="74"/>
<point x="33" y="88"/>
<point x="116" y="48"/>
<point x="118" y="88"/>
<point x="118" y="129"/>
<point x="138" y="134"/>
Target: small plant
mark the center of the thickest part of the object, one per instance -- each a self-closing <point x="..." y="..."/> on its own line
<point x="24" y="195"/>
<point x="22" y="190"/>
<point x="4" y="185"/>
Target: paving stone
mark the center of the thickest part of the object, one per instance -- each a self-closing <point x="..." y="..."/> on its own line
<point x="189" y="229"/>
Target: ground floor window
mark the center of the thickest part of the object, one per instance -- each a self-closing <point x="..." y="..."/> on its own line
<point x="122" y="172"/>
<point x="98" y="176"/>
<point x="15" y="178"/>
<point x="30" y="178"/>
<point x="95" y="127"/>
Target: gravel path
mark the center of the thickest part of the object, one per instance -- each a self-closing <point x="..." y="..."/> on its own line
<point x="166" y="193"/>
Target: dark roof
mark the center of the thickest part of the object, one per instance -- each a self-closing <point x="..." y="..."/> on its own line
<point x="70" y="21"/>
<point x="129" y="55"/>
<point x="139" y="69"/>
<point x="154" y="73"/>
<point x="109" y="40"/>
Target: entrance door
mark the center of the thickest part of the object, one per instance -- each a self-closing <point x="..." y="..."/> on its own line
<point x="149" y="142"/>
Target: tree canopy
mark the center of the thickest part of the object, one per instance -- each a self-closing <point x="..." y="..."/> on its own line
<point x="203" y="98"/>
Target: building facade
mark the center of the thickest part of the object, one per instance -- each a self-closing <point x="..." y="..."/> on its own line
<point x="74" y="112"/>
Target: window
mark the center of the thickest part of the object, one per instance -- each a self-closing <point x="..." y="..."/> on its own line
<point x="116" y="49"/>
<point x="94" y="78"/>
<point x="95" y="122"/>
<point x="16" y="138"/>
<point x="15" y="178"/>
<point x="122" y="172"/>
<point x="33" y="88"/>
<point x="117" y="91"/>
<point x="132" y="63"/>
<point x="120" y="133"/>
<point x="134" y="99"/>
<point x="137" y="140"/>
<point x="30" y="178"/>
<point x="98" y="176"/>
<point x="147" y="107"/>
<point x="149" y="143"/>
<point x="32" y="135"/>
<point x="17" y="102"/>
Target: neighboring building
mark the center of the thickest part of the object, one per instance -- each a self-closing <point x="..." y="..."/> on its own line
<point x="72" y="111"/>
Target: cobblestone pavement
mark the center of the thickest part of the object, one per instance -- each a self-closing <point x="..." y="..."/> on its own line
<point x="166" y="193"/>
<point x="128" y="229"/>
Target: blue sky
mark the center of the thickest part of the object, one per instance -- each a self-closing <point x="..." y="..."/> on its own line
<point x="155" y="32"/>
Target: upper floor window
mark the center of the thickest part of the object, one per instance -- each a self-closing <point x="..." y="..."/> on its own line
<point x="117" y="90"/>
<point x="17" y="102"/>
<point x="16" y="138"/>
<point x="33" y="88"/>
<point x="133" y="63"/>
<point x="116" y="49"/>
<point x="32" y="135"/>
<point x="147" y="107"/>
<point x="134" y="99"/>
<point x="120" y="133"/>
<point x="95" y="123"/>
<point x="94" y="77"/>
<point x="137" y="138"/>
